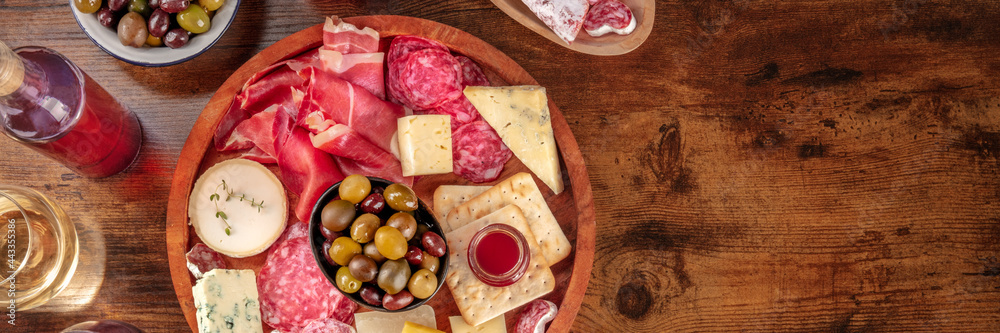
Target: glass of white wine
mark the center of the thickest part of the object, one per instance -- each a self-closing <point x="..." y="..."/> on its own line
<point x="39" y="246"/>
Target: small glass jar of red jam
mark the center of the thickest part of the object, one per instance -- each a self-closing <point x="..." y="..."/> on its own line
<point x="499" y="255"/>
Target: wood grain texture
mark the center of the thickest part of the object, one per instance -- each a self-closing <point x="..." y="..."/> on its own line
<point x="756" y="165"/>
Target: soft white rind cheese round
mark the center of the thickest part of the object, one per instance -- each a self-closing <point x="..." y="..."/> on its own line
<point x="251" y="231"/>
<point x="606" y="29"/>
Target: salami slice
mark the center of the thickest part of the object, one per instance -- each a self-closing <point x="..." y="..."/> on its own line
<point x="201" y="259"/>
<point x="429" y="77"/>
<point x="478" y="153"/>
<point x="472" y="75"/>
<point x="461" y="111"/>
<point x="392" y="84"/>
<point x="609" y="16"/>
<point x="403" y="45"/>
<point x="535" y="315"/>
<point x="294" y="292"/>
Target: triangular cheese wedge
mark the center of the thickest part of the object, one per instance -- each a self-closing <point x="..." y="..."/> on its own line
<point x="520" y="115"/>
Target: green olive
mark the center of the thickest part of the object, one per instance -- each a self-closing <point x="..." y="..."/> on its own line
<point x="343" y="250"/>
<point x="194" y="19"/>
<point x="347" y="282"/>
<point x="211" y="5"/>
<point x="337" y="215"/>
<point x="430" y="263"/>
<point x="400" y="197"/>
<point x="390" y="243"/>
<point x="364" y="227"/>
<point x="355" y="188"/>
<point x="140" y="6"/>
<point x="422" y="284"/>
<point x="394" y="275"/>
<point x="372" y="252"/>
<point x="87" y="6"/>
<point x="404" y="222"/>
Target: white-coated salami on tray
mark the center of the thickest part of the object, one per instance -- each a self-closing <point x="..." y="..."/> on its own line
<point x="572" y="208"/>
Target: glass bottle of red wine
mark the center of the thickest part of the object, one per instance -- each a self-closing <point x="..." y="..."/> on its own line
<point x="50" y="105"/>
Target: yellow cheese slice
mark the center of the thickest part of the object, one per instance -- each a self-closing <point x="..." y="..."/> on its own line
<point x="495" y="325"/>
<point x="520" y="115"/>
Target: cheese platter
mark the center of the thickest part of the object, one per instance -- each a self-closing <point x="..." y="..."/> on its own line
<point x="567" y="196"/>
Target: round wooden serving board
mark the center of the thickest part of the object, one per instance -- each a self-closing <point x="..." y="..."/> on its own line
<point x="607" y="45"/>
<point x="574" y="207"/>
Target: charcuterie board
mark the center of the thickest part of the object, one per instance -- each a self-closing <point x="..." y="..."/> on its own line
<point x="607" y="45"/>
<point x="573" y="208"/>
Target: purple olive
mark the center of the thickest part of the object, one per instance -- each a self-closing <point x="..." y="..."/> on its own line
<point x="117" y="5"/>
<point x="398" y="301"/>
<point x="371" y="295"/>
<point x="174" y="6"/>
<point x="159" y="23"/>
<point x="433" y="244"/>
<point x="154" y="4"/>
<point x="329" y="234"/>
<point x="372" y="204"/>
<point x="175" y="38"/>
<point x="414" y="255"/>
<point x="107" y="17"/>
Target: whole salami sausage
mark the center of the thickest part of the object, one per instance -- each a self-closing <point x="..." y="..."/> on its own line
<point x="609" y="16"/>
<point x="429" y="77"/>
<point x="478" y="153"/>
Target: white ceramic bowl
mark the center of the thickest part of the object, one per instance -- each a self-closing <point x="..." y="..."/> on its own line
<point x="107" y="39"/>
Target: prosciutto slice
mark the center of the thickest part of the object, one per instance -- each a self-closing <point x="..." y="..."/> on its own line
<point x="254" y="132"/>
<point x="304" y="169"/>
<point x="344" y="103"/>
<point x="362" y="69"/>
<point x="355" y="155"/>
<point x="344" y="37"/>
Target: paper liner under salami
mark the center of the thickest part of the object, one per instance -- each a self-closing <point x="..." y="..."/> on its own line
<point x="478" y="153"/>
<point x="535" y="315"/>
<point x="293" y="292"/>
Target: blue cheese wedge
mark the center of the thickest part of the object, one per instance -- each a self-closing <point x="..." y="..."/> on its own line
<point x="424" y="144"/>
<point x="520" y="115"/>
<point x="238" y="208"/>
<point x="226" y="301"/>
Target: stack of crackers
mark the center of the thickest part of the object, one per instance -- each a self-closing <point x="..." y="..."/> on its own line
<point x="516" y="201"/>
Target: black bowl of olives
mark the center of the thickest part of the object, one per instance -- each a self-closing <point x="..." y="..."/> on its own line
<point x="154" y="32"/>
<point x="378" y="244"/>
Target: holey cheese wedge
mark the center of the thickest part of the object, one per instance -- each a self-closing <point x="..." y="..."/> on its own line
<point x="520" y="115"/>
<point x="238" y="208"/>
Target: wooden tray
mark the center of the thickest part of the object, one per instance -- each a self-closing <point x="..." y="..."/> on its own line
<point x="607" y="45"/>
<point x="573" y="207"/>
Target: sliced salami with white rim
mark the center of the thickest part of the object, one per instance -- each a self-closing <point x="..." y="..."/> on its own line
<point x="535" y="316"/>
<point x="429" y="77"/>
<point x="609" y="16"/>
<point x="201" y="259"/>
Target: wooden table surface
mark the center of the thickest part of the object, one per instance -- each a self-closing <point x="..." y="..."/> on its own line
<point x="756" y="165"/>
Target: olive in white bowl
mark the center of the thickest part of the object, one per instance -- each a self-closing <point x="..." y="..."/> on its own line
<point x="139" y="32"/>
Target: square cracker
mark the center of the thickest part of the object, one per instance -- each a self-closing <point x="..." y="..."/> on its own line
<point x="447" y="197"/>
<point x="520" y="190"/>
<point x="479" y="302"/>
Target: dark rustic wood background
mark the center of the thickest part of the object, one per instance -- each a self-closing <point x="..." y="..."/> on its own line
<point x="756" y="165"/>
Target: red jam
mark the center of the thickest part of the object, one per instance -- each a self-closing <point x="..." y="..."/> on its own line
<point x="499" y="255"/>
